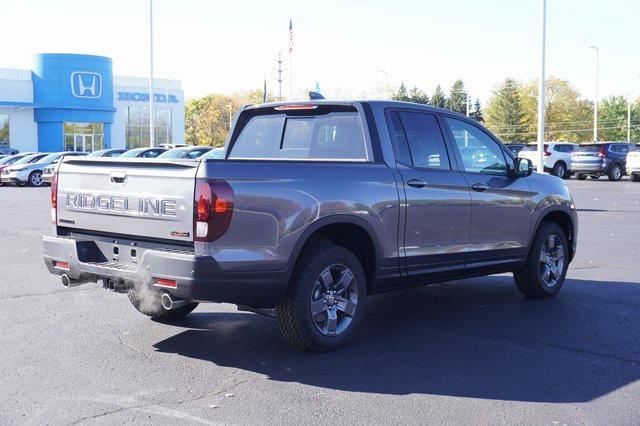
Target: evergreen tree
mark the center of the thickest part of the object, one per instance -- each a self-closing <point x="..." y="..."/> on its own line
<point x="476" y="113"/>
<point x="418" y="96"/>
<point x="504" y="113"/>
<point x="438" y="99"/>
<point x="457" y="98"/>
<point x="401" y="94"/>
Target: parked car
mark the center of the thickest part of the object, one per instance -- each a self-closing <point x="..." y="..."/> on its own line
<point x="315" y="209"/>
<point x="8" y="151"/>
<point x="143" y="153"/>
<point x="595" y="160"/>
<point x="557" y="157"/>
<point x="31" y="173"/>
<point x="515" y="148"/>
<point x="11" y="159"/>
<point x="216" y="153"/>
<point x="188" y="152"/>
<point x="9" y="171"/>
<point x="114" y="152"/>
<point x="633" y="163"/>
<point x="172" y="145"/>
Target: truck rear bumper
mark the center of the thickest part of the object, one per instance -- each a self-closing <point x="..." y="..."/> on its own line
<point x="196" y="277"/>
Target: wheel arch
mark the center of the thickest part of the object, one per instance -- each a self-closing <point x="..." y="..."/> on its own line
<point x="351" y="232"/>
<point x="563" y="219"/>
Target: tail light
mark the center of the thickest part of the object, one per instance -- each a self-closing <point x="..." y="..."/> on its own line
<point x="601" y="152"/>
<point x="212" y="209"/>
<point x="54" y="198"/>
<point x="546" y="151"/>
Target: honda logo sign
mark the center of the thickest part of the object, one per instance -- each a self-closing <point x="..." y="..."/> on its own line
<point x="86" y="84"/>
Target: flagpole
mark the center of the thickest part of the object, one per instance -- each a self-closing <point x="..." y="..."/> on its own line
<point x="151" y="117"/>
<point x="290" y="59"/>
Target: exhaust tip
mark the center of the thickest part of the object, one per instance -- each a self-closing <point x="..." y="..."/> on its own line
<point x="166" y="301"/>
<point x="66" y="281"/>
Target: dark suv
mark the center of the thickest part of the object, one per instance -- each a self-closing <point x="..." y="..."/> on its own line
<point x="595" y="160"/>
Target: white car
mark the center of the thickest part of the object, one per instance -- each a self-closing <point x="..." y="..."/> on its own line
<point x="633" y="164"/>
<point x="557" y="157"/>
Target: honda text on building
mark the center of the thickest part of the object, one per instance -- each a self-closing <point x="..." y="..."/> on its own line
<point x="314" y="207"/>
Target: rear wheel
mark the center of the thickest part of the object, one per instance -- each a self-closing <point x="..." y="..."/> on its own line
<point x="325" y="302"/>
<point x="581" y="177"/>
<point x="35" y="178"/>
<point x="148" y="302"/>
<point x="546" y="266"/>
<point x="615" y="174"/>
<point x="559" y="170"/>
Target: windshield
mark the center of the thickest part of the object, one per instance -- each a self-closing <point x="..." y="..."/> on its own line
<point x="589" y="148"/>
<point x="27" y="159"/>
<point x="49" y="158"/>
<point x="174" y="153"/>
<point x="97" y="153"/>
<point x="10" y="159"/>
<point x="133" y="152"/>
<point x="533" y="147"/>
<point x="216" y="153"/>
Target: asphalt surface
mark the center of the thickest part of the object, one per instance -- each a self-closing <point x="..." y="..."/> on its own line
<point x="472" y="351"/>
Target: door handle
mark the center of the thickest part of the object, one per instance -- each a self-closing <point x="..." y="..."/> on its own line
<point x="118" y="177"/>
<point x="417" y="183"/>
<point x="479" y="187"/>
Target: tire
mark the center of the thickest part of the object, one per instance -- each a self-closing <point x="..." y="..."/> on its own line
<point x="635" y="177"/>
<point x="308" y="289"/>
<point x="581" y="177"/>
<point x="149" y="304"/>
<point x="559" y="170"/>
<point x="615" y="174"/>
<point x="35" y="179"/>
<point x="530" y="279"/>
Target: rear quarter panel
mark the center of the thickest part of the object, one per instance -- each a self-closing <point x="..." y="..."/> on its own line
<point x="275" y="202"/>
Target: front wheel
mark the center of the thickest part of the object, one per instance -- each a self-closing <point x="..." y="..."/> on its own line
<point x="546" y="266"/>
<point x="325" y="302"/>
<point x="148" y="302"/>
<point x="35" y="178"/>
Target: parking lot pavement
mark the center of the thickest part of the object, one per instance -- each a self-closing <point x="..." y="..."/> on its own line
<point x="471" y="351"/>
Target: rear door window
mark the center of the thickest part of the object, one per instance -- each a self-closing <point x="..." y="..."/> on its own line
<point x="426" y="142"/>
<point x="620" y="148"/>
<point x="336" y="136"/>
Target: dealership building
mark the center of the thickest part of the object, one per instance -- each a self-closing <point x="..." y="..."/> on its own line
<point x="70" y="102"/>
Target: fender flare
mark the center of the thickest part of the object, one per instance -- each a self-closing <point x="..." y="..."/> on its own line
<point x="332" y="220"/>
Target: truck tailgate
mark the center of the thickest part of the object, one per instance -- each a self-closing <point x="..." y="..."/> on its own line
<point x="133" y="197"/>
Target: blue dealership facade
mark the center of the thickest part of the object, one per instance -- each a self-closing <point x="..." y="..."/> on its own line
<point x="74" y="102"/>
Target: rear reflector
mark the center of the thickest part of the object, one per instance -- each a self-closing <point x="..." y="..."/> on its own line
<point x="162" y="282"/>
<point x="61" y="265"/>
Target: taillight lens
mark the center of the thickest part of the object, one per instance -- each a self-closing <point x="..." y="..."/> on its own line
<point x="212" y="209"/>
<point x="54" y="197"/>
<point x="546" y="151"/>
<point x="601" y="152"/>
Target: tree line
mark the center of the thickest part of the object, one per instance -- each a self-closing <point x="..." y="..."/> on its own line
<point x="510" y="112"/>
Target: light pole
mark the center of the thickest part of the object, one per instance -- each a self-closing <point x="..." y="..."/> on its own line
<point x="230" y="114"/>
<point x="166" y="100"/>
<point x="466" y="93"/>
<point x="151" y="112"/>
<point x="541" y="88"/>
<point x="629" y="118"/>
<point x="386" y="82"/>
<point x="595" y="100"/>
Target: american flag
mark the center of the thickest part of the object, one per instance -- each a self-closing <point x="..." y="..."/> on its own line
<point x="290" y="36"/>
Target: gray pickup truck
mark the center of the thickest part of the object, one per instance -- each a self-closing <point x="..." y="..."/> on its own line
<point x="316" y="206"/>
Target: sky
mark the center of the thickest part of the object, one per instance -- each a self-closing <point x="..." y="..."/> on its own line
<point x="349" y="47"/>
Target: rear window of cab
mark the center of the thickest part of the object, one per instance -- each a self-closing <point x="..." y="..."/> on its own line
<point x="326" y="135"/>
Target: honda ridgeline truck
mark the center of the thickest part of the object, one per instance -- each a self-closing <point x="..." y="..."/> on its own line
<point x="315" y="207"/>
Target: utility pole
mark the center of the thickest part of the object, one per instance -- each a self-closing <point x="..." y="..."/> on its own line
<point x="629" y="118"/>
<point x="595" y="100"/>
<point x="279" y="70"/>
<point x="541" y="88"/>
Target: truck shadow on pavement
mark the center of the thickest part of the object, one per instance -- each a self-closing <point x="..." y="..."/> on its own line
<point x="473" y="338"/>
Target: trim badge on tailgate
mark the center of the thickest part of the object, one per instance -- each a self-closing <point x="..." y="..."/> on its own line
<point x="121" y="205"/>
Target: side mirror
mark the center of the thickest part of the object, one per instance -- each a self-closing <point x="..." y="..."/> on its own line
<point x="523" y="167"/>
